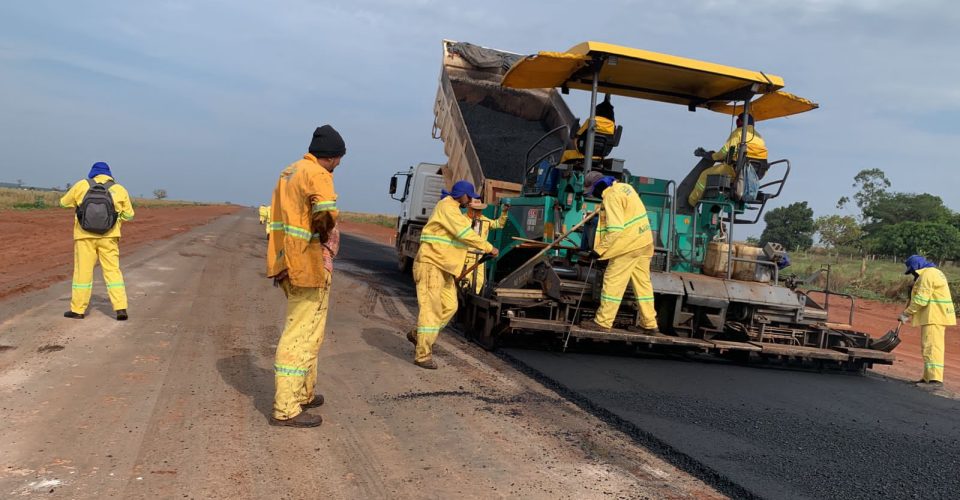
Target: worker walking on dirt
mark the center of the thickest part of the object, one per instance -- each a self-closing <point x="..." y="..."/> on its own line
<point x="264" y="212"/>
<point x="482" y="226"/>
<point x="443" y="250"/>
<point x="931" y="308"/>
<point x="101" y="206"/>
<point x="304" y="214"/>
<point x="756" y="155"/>
<point x="623" y="238"/>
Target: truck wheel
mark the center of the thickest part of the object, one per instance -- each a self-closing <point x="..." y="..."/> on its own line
<point x="405" y="264"/>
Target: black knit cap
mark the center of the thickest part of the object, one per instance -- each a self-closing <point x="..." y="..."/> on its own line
<point x="327" y="143"/>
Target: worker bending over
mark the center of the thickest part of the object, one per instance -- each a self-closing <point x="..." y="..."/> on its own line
<point x="623" y="238"/>
<point x="931" y="308"/>
<point x="482" y="226"/>
<point x="304" y="213"/>
<point x="443" y="250"/>
<point x="101" y="206"/>
<point x="605" y="126"/>
<point x="756" y="153"/>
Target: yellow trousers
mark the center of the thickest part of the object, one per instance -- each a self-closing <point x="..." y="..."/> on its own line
<point x="86" y="253"/>
<point x="295" y="366"/>
<point x="718" y="169"/>
<point x="477" y="284"/>
<point x="437" y="298"/>
<point x="633" y="267"/>
<point x="931" y="343"/>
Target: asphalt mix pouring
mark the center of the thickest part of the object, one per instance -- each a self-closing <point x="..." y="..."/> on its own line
<point x="752" y="431"/>
<point x="772" y="433"/>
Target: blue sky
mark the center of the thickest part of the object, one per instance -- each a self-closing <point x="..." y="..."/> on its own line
<point x="211" y="99"/>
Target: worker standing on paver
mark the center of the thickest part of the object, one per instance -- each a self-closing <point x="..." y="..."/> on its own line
<point x="931" y="308"/>
<point x="443" y="250"/>
<point x="623" y="238"/>
<point x="101" y="206"/>
<point x="482" y="226"/>
<point x="304" y="215"/>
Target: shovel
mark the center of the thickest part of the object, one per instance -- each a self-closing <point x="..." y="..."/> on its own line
<point x="475" y="265"/>
<point x="889" y="341"/>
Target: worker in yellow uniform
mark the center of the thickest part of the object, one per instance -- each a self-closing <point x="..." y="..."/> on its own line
<point x="623" y="238"/>
<point x="101" y="206"/>
<point x="931" y="308"/>
<point x="304" y="214"/>
<point x="756" y="153"/>
<point x="443" y="250"/>
<point x="264" y="212"/>
<point x="605" y="126"/>
<point x="482" y="226"/>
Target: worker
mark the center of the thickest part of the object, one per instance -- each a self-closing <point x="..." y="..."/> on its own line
<point x="444" y="242"/>
<point x="304" y="215"/>
<point x="264" y="212"/>
<point x="726" y="163"/>
<point x="102" y="206"/>
<point x="623" y="238"/>
<point x="931" y="308"/>
<point x="606" y="125"/>
<point x="482" y="226"/>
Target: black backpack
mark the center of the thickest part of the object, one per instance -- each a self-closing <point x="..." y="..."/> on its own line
<point x="96" y="212"/>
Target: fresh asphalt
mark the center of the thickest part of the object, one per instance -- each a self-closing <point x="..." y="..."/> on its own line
<point x="751" y="431"/>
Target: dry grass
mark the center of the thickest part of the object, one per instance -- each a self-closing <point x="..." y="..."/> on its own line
<point x="376" y="219"/>
<point x="25" y="199"/>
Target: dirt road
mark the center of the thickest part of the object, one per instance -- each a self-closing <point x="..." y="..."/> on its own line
<point x="174" y="403"/>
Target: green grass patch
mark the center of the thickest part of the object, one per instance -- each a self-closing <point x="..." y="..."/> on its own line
<point x="375" y="219"/>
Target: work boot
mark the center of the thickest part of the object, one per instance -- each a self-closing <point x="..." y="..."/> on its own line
<point x="645" y="331"/>
<point x="429" y="364"/>
<point x="72" y="315"/>
<point x="317" y="401"/>
<point x="302" y="420"/>
<point x="122" y="315"/>
<point x="412" y="336"/>
<point x="931" y="385"/>
<point x="590" y="324"/>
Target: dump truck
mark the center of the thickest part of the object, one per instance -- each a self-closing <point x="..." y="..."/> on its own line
<point x="488" y="134"/>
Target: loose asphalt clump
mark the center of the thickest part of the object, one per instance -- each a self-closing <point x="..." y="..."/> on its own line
<point x="502" y="140"/>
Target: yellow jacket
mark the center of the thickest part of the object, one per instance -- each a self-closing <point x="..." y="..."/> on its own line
<point x="930" y="300"/>
<point x="446" y="237"/>
<point x="756" y="147"/>
<point x="264" y="213"/>
<point x="623" y="225"/>
<point x="485" y="225"/>
<point x="305" y="188"/>
<point x="121" y="203"/>
<point x="605" y="126"/>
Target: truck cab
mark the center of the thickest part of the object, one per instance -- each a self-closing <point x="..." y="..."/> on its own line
<point x="420" y="192"/>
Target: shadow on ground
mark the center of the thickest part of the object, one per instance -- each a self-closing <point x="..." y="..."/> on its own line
<point x="243" y="374"/>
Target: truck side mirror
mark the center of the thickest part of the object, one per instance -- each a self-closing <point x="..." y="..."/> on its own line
<point x="393" y="185"/>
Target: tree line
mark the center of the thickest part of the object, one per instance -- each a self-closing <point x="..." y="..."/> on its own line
<point x="888" y="223"/>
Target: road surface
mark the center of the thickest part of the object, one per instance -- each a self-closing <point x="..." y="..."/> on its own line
<point x="174" y="403"/>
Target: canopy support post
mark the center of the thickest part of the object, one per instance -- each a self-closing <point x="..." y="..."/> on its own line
<point x="592" y="126"/>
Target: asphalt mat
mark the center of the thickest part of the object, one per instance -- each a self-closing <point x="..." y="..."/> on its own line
<point x="773" y="433"/>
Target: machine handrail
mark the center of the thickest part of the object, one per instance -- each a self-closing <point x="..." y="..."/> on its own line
<point x="526" y="158"/>
<point x="693" y="236"/>
<point x="763" y="204"/>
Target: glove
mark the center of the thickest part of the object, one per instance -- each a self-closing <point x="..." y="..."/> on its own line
<point x="904" y="318"/>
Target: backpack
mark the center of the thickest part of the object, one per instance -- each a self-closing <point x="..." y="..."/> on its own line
<point x="747" y="185"/>
<point x="96" y="212"/>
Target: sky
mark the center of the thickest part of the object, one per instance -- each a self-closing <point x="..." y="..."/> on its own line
<point x="211" y="99"/>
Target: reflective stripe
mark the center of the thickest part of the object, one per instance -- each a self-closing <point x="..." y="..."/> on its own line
<point x="464" y="232"/>
<point x="933" y="365"/>
<point x="941" y="301"/>
<point x="426" y="238"/>
<point x="289" y="371"/>
<point x="297" y="232"/>
<point x="118" y="284"/>
<point x="324" y="206"/>
<point x="609" y="298"/>
<point x="635" y="220"/>
<point x="645" y="299"/>
<point x="125" y="216"/>
<point x="428" y="329"/>
<point x="920" y="299"/>
<point x="701" y="186"/>
<point x="276" y="226"/>
<point x="611" y="229"/>
<point x="82" y="286"/>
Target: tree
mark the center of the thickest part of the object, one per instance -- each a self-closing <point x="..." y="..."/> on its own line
<point x="792" y="226"/>
<point x="934" y="239"/>
<point x="838" y="230"/>
<point x="871" y="185"/>
<point x="159" y="193"/>
<point x="905" y="207"/>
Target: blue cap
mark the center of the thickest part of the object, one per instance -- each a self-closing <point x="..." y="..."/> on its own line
<point x="99" y="168"/>
<point x="916" y="262"/>
<point x="459" y="189"/>
<point x="602" y="184"/>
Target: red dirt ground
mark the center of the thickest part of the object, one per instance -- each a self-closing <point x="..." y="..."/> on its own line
<point x="380" y="234"/>
<point x="36" y="246"/>
<point x="876" y="318"/>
